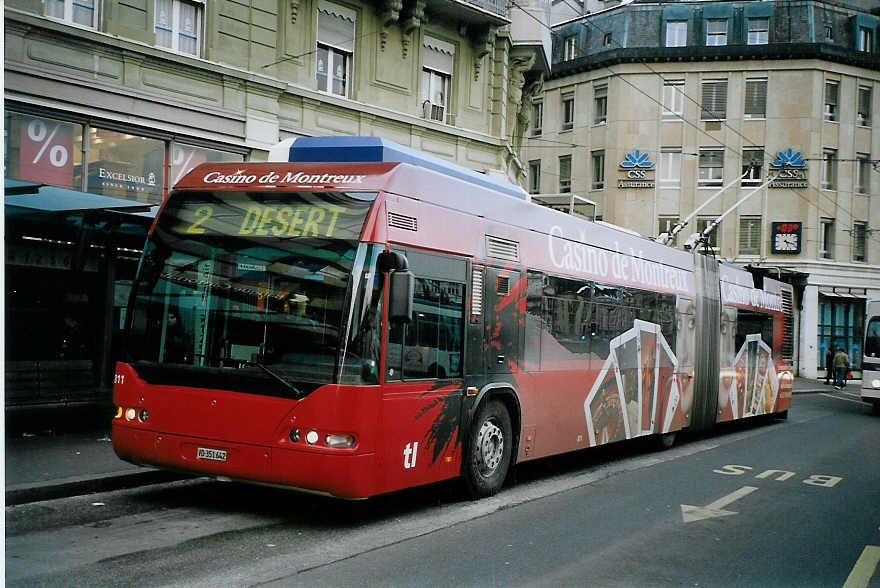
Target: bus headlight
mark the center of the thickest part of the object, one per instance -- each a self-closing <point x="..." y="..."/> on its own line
<point x="334" y="440"/>
<point x="875" y="383"/>
<point x="130" y="413"/>
<point x="312" y="437"/>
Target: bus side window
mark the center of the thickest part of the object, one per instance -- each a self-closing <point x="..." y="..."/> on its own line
<point x="433" y="342"/>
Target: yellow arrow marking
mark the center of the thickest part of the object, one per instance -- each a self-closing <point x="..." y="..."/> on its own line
<point x="864" y="569"/>
<point x="690" y="513"/>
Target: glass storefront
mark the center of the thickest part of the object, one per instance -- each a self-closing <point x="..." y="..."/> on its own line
<point x="841" y="324"/>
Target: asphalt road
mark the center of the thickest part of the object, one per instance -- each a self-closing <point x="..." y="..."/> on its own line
<point x="784" y="503"/>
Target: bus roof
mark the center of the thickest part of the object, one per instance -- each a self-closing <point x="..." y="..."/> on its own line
<point x="367" y="149"/>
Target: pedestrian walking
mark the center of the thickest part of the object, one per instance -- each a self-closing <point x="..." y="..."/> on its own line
<point x="829" y="365"/>
<point x="841" y="367"/>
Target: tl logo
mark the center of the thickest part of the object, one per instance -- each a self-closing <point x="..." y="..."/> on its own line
<point x="410" y="451"/>
<point x="636" y="159"/>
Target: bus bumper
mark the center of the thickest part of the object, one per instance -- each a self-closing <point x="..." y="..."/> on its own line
<point x="349" y="476"/>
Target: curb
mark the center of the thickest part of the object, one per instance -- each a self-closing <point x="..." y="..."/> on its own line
<point x="80" y="485"/>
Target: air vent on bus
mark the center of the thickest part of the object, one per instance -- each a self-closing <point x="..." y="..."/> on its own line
<point x="502" y="248"/>
<point x="401" y="221"/>
<point x="476" y="294"/>
<point x="788" y="326"/>
<point x="502" y="285"/>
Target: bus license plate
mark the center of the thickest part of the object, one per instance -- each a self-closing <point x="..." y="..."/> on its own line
<point x="212" y="454"/>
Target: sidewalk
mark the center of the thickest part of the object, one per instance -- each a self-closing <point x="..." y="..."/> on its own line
<point x="47" y="464"/>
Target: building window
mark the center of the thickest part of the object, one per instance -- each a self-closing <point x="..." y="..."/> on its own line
<point x="714" y="104"/>
<point x="826" y="238"/>
<point x="676" y="33"/>
<point x="860" y="237"/>
<point x="831" y="88"/>
<point x="598" y="161"/>
<point x="750" y="235"/>
<point x="81" y="12"/>
<point x="570" y="48"/>
<point x="600" y="104"/>
<point x="673" y="98"/>
<point x="712" y="238"/>
<point x="829" y="33"/>
<point x="438" y="63"/>
<point x="670" y="168"/>
<point x="759" y="31"/>
<point x="567" y="111"/>
<point x="863" y="173"/>
<point x="711" y="167"/>
<point x="333" y="58"/>
<point x="565" y="174"/>
<point x="665" y="224"/>
<point x="829" y="169"/>
<point x="716" y="32"/>
<point x="178" y="26"/>
<point x="537" y="118"/>
<point x="535" y="176"/>
<point x="756" y="98"/>
<point x="863" y="111"/>
<point x="752" y="164"/>
<point x="607" y="40"/>
<point x="866" y="40"/>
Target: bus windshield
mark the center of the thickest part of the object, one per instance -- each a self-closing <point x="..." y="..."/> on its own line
<point x="246" y="286"/>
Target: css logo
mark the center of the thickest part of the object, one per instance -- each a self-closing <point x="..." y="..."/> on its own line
<point x="636" y="174"/>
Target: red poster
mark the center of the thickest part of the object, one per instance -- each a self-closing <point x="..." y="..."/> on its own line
<point x="184" y="159"/>
<point x="46" y="154"/>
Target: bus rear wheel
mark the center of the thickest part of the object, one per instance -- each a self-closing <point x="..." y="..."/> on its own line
<point x="489" y="447"/>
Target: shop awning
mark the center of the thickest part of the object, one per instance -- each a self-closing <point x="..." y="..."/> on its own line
<point x="40" y="197"/>
<point x="838" y="292"/>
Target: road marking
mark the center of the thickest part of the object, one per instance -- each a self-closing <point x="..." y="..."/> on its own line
<point x="842" y="398"/>
<point x="864" y="569"/>
<point x="690" y="513"/>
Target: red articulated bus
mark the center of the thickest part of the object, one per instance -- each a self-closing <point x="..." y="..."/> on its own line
<point x="358" y="328"/>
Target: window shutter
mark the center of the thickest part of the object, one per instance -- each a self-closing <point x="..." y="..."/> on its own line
<point x="750" y="236"/>
<point x="756" y="97"/>
<point x="439" y="55"/>
<point x="714" y="100"/>
<point x="336" y="25"/>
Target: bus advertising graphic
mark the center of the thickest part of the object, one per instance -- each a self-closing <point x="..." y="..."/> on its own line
<point x="357" y="328"/>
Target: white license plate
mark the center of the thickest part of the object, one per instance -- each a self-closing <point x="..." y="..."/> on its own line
<point x="212" y="454"/>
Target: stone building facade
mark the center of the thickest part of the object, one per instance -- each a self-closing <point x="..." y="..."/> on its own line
<point x="652" y="108"/>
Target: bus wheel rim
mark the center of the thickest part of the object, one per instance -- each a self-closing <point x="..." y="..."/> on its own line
<point x="490" y="443"/>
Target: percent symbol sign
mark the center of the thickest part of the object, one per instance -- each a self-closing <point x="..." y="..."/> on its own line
<point x="38" y="132"/>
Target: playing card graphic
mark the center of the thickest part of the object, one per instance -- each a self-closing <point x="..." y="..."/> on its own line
<point x="668" y="393"/>
<point x="771" y="388"/>
<point x="603" y="407"/>
<point x="648" y="364"/>
<point x="626" y="350"/>
<point x="763" y="361"/>
<point x="739" y="366"/>
<point x="751" y="345"/>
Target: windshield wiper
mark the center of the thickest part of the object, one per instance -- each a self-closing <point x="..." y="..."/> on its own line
<point x="296" y="391"/>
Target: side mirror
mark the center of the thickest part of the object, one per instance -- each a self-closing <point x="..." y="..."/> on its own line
<point x="400" y="299"/>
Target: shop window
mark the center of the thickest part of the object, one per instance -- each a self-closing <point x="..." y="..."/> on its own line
<point x="126" y="166"/>
<point x="333" y="58"/>
<point x="178" y="26"/>
<point x="43" y="150"/>
<point x="186" y="157"/>
<point x="80" y="12"/>
<point x="841" y="325"/>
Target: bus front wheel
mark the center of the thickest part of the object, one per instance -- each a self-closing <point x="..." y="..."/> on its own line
<point x="489" y="450"/>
